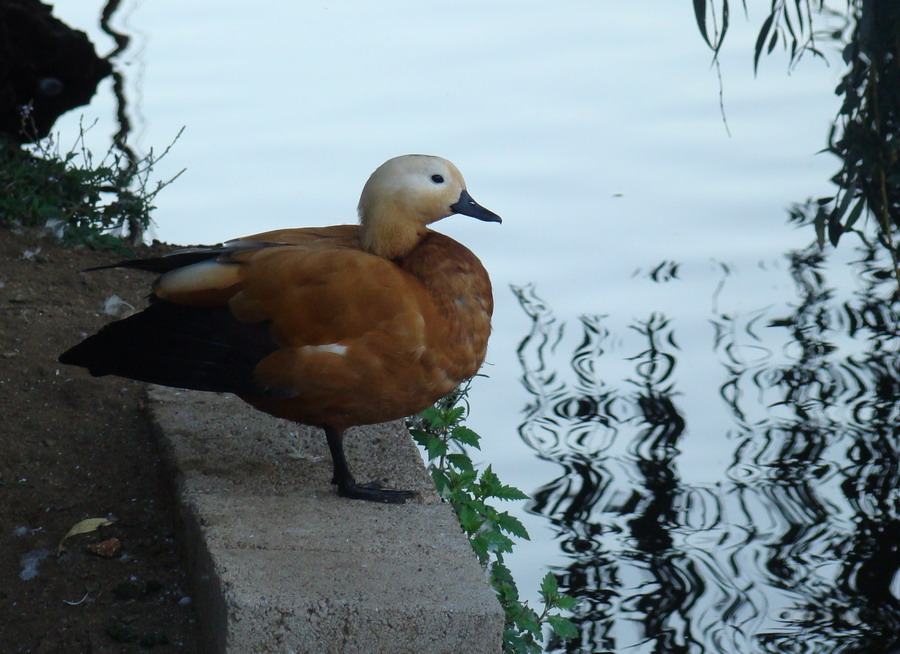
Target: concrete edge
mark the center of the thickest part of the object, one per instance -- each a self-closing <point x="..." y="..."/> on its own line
<point x="231" y="467"/>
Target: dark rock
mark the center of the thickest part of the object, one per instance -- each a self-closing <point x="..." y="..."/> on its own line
<point x="44" y="63"/>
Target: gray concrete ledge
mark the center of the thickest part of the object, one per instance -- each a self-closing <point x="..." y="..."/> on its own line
<point x="279" y="563"/>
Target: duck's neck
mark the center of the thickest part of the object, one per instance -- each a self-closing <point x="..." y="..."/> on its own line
<point x="389" y="236"/>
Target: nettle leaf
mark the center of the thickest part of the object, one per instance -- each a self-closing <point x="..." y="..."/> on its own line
<point x="480" y="547"/>
<point x="453" y="415"/>
<point x="549" y="587"/>
<point x="420" y="436"/>
<point x="461" y="461"/>
<point x="503" y="574"/>
<point x="506" y="593"/>
<point x="441" y="483"/>
<point x="489" y="476"/>
<point x="435" y="447"/>
<point x="512" y="524"/>
<point x="562" y="627"/>
<point x="468" y="491"/>
<point x="464" y="480"/>
<point x="432" y="415"/>
<point x="528" y="620"/>
<point x="496" y="542"/>
<point x="511" y="493"/>
<point x="566" y="602"/>
<point x="479" y="506"/>
<point x="489" y="482"/>
<point x="466" y="436"/>
<point x="469" y="520"/>
<point x="457" y="498"/>
<point x="516" y="643"/>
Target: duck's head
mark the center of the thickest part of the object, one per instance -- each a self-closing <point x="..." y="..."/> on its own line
<point x="404" y="195"/>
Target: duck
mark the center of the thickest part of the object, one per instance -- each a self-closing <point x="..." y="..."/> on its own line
<point x="332" y="327"/>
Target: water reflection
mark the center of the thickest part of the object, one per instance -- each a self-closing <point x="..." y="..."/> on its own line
<point x="130" y="158"/>
<point x="122" y="41"/>
<point x="797" y="547"/>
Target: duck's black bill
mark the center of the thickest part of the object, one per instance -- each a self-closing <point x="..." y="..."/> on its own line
<point x="468" y="207"/>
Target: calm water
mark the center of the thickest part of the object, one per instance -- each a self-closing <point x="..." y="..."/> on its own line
<point x="764" y="520"/>
<point x="702" y="407"/>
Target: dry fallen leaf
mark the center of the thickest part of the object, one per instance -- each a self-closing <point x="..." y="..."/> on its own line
<point x="83" y="527"/>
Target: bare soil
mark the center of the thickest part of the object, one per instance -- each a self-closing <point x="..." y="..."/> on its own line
<point x="71" y="448"/>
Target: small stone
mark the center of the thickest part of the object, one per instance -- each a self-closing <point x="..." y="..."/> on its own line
<point x="108" y="548"/>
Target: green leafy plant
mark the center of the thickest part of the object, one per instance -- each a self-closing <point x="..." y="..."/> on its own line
<point x="441" y="432"/>
<point x="83" y="201"/>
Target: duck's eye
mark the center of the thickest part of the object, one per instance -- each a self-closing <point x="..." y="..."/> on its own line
<point x="437" y="179"/>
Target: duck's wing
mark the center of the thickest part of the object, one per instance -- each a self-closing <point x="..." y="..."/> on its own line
<point x="271" y="317"/>
<point x="339" y="236"/>
<point x="347" y="323"/>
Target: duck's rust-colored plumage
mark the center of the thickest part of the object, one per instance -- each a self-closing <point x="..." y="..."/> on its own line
<point x="333" y="326"/>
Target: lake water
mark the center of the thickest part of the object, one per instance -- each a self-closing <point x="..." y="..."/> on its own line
<point x="702" y="407"/>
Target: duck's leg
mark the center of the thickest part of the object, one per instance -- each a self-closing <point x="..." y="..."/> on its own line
<point x="347" y="486"/>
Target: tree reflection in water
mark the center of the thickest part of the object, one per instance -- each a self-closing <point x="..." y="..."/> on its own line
<point x="797" y="549"/>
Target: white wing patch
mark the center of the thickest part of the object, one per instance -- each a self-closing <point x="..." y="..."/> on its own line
<point x="331" y="348"/>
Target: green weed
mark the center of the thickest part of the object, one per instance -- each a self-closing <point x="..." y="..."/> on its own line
<point x="440" y="431"/>
<point x="84" y="202"/>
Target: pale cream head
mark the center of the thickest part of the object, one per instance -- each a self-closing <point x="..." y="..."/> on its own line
<point x="405" y="194"/>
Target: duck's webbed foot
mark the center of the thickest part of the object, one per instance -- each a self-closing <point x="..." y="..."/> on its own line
<point x="373" y="492"/>
<point x="346" y="483"/>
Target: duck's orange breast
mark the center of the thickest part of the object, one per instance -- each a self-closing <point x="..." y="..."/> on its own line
<point x="459" y="289"/>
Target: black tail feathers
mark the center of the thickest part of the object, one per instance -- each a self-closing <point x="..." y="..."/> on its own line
<point x="203" y="349"/>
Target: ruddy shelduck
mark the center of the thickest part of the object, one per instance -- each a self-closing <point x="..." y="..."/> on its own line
<point x="331" y="327"/>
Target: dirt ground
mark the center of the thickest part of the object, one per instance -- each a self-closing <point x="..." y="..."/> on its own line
<point x="71" y="448"/>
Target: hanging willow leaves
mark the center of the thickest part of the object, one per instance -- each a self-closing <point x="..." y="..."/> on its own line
<point x="800" y="37"/>
<point x="700" y="15"/>
<point x="761" y="40"/>
<point x="865" y="135"/>
<point x="720" y="27"/>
